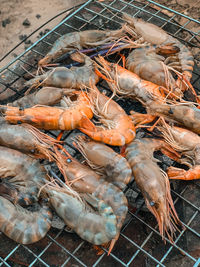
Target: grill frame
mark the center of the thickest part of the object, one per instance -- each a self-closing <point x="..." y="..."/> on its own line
<point x="135" y="215"/>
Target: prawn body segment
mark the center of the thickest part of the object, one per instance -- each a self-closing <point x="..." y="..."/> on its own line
<point x="95" y="227"/>
<point x="22" y="173"/>
<point x="104" y="159"/>
<point x="46" y="96"/>
<point x="23" y="226"/>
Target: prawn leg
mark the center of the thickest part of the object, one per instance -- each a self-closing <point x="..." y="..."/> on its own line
<point x="180" y="174"/>
<point x="140" y="119"/>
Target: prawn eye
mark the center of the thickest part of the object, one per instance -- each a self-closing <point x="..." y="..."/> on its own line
<point x="152" y="203"/>
<point x="69" y="160"/>
<point x="40" y="81"/>
<point x="21" y="108"/>
<point x="19" y="122"/>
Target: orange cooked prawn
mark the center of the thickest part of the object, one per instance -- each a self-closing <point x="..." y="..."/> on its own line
<point x="117" y="130"/>
<point x="127" y="83"/>
<point x="188" y="144"/>
<point x="52" y="118"/>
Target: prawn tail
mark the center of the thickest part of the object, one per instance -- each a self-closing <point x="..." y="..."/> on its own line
<point x="78" y="57"/>
<point x="44" y="61"/>
<point x="109" y="137"/>
<point x="112" y="243"/>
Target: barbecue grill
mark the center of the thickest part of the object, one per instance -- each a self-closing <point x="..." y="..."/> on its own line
<point x="139" y="243"/>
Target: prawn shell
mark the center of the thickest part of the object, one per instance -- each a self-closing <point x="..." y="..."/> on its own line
<point x="22" y="173"/>
<point x="115" y="167"/>
<point x="21" y="225"/>
<point x="96" y="228"/>
<point x="153" y="183"/>
<point x="52" y="118"/>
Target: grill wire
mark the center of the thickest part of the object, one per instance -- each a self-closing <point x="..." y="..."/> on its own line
<point x="140" y="243"/>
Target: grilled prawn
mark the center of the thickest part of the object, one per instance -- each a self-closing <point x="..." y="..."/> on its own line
<point x="183" y="114"/>
<point x="26" y="139"/>
<point x="85" y="180"/>
<point x="129" y="84"/>
<point x="97" y="227"/>
<point x="62" y="77"/>
<point x="153" y="34"/>
<point x="153" y="183"/>
<point x="117" y="129"/>
<point x="69" y="117"/>
<point x="79" y="40"/>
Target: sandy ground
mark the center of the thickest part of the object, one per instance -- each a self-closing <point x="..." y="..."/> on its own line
<point x="14" y="14"/>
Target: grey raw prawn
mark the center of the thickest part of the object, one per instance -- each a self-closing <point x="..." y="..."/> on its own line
<point x="62" y="77"/>
<point x="27" y="139"/>
<point x="155" y="35"/>
<point x="149" y="64"/>
<point x="48" y="96"/>
<point x="113" y="167"/>
<point x="95" y="227"/>
<point x="84" y="180"/>
<point x="153" y="182"/>
<point x="23" y="226"/>
<point x="183" y="114"/>
<point x="23" y="174"/>
<point x="79" y="40"/>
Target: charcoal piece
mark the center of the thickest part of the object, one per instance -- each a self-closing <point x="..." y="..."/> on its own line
<point x="5" y="22"/>
<point x="26" y="23"/>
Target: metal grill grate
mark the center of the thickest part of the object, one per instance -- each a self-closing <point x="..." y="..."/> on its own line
<point x="140" y="243"/>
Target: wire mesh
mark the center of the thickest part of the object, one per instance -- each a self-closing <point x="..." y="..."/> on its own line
<point x="139" y="243"/>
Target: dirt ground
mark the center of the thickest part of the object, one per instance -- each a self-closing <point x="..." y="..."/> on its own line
<point x="18" y="18"/>
<point x="21" y="17"/>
